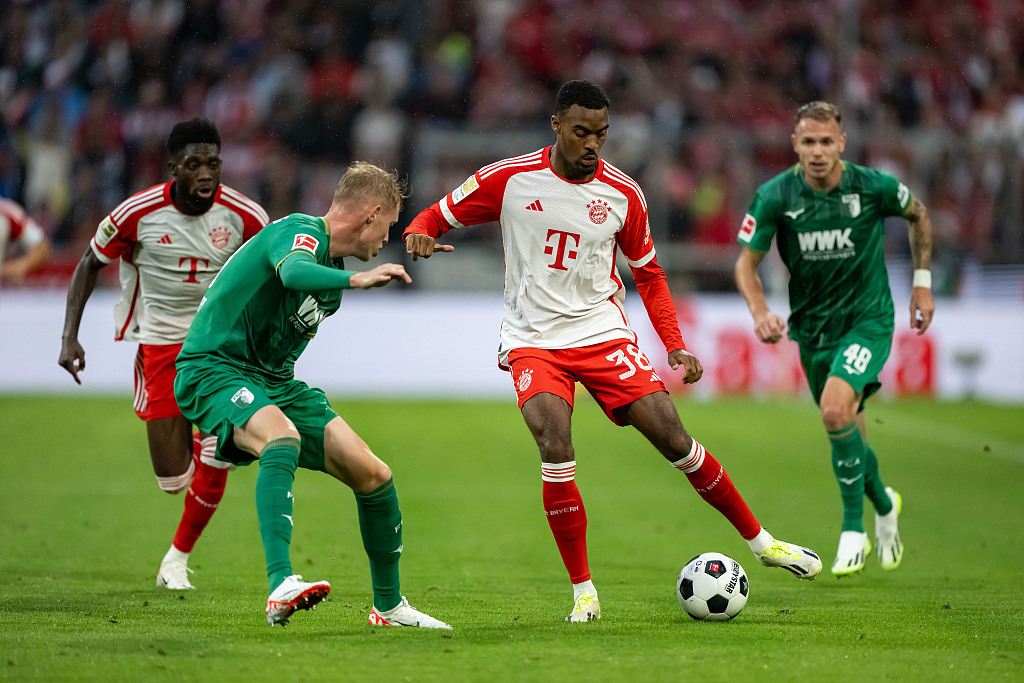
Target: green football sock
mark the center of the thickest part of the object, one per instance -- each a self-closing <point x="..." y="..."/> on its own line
<point x="274" y="504"/>
<point x="848" y="456"/>
<point x="873" y="486"/>
<point x="380" y="524"/>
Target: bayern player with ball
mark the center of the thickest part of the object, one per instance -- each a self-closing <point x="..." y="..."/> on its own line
<point x="563" y="212"/>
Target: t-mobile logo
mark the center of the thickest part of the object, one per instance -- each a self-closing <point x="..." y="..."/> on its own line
<point x="562" y="250"/>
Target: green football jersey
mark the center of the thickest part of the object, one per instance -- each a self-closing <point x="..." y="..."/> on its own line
<point x="248" y="318"/>
<point x="832" y="243"/>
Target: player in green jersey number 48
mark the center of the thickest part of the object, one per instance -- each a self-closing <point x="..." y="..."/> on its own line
<point x="826" y="217"/>
<point x="236" y="380"/>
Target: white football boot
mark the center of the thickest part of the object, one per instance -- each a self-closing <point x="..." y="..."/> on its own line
<point x="586" y="608"/>
<point x="294" y="594"/>
<point x="404" y="614"/>
<point x="174" y="573"/>
<point x="852" y="553"/>
<point x="887" y="533"/>
<point x="802" y="562"/>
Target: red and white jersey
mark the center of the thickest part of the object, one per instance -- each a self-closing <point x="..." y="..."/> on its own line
<point x="560" y="238"/>
<point x="169" y="258"/>
<point x="17" y="226"/>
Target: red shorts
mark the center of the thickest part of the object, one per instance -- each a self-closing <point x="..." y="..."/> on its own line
<point x="616" y="373"/>
<point x="154" y="381"/>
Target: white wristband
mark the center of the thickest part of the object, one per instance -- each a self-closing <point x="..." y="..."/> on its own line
<point x="923" y="278"/>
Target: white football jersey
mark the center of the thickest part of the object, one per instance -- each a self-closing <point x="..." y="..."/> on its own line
<point x="168" y="258"/>
<point x="16" y="226"/>
<point x="560" y="237"/>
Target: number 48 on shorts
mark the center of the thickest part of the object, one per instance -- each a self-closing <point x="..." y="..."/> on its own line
<point x="857" y="359"/>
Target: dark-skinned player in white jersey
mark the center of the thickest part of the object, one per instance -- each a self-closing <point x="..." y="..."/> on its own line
<point x="826" y="216"/>
<point x="171" y="240"/>
<point x="563" y="212"/>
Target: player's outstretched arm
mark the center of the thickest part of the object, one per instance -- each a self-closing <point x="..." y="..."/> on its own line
<point x="424" y="246"/>
<point x="768" y="326"/>
<point x="692" y="369"/>
<point x="922" y="305"/>
<point x="379" y="276"/>
<point x="83" y="281"/>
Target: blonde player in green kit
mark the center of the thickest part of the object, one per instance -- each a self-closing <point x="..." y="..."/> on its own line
<point x="236" y="380"/>
<point x="826" y="216"/>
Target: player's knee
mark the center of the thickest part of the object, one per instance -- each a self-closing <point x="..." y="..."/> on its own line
<point x="835" y="415"/>
<point x="178" y="483"/>
<point x="555" y="450"/>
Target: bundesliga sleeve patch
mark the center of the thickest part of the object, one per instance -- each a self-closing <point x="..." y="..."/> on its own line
<point x="465" y="189"/>
<point x="105" y="232"/>
<point x="747" y="228"/>
<point x="307" y="242"/>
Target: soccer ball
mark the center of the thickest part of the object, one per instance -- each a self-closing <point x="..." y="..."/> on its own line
<point x="712" y="587"/>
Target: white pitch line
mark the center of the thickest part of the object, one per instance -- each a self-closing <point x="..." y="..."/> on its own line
<point x="945" y="434"/>
<point x="910" y="426"/>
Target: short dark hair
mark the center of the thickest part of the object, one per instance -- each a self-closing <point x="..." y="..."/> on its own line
<point x="819" y="111"/>
<point x="196" y="130"/>
<point x="584" y="93"/>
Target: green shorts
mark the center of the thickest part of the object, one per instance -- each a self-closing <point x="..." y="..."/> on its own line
<point x="218" y="397"/>
<point x="857" y="359"/>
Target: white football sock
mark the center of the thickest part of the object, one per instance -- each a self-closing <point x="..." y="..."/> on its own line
<point x="579" y="589"/>
<point x="760" y="542"/>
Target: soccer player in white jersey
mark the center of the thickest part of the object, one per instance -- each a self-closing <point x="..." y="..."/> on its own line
<point x="17" y="227"/>
<point x="172" y="240"/>
<point x="563" y="212"/>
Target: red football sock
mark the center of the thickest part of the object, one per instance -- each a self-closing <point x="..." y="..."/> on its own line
<point x="566" y="517"/>
<point x="201" y="501"/>
<point x="713" y="484"/>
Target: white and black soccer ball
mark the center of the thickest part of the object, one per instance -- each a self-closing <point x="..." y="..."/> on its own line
<point x="712" y="587"/>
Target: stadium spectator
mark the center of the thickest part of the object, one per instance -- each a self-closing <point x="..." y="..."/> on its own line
<point x="564" y="321"/>
<point x="827" y="217"/>
<point x="947" y="78"/>
<point x="172" y="240"/>
<point x="17" y="228"/>
<point x="236" y="379"/>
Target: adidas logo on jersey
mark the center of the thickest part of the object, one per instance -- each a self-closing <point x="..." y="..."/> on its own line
<point x="166" y="239"/>
<point x="535" y="206"/>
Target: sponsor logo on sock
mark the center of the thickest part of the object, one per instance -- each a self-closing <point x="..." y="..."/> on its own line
<point x="289" y="518"/>
<point x="844" y="480"/>
<point x="571" y="508"/>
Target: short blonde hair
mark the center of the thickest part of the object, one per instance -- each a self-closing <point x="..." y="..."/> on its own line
<point x="819" y="111"/>
<point x="363" y="181"/>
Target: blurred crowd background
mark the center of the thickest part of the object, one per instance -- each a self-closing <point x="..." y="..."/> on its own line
<point x="702" y="98"/>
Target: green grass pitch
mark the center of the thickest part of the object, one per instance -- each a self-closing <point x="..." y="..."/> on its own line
<point x="84" y="527"/>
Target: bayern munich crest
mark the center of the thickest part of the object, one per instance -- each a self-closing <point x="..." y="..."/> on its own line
<point x="598" y="211"/>
<point x="524" y="380"/>
<point x="220" y="236"/>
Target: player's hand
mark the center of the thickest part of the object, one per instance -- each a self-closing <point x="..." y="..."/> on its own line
<point x="769" y="327"/>
<point x="692" y="369"/>
<point x="379" y="276"/>
<point x="922" y="309"/>
<point x="417" y="245"/>
<point x="72" y="358"/>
